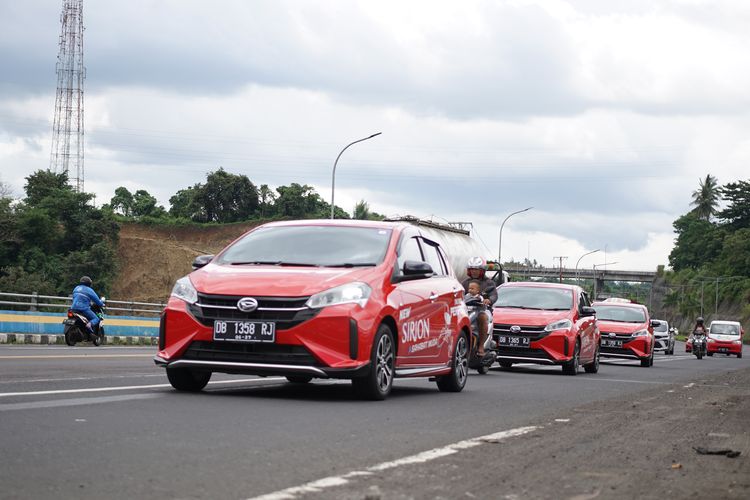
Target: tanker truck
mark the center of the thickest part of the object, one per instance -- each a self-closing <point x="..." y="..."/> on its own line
<point x="458" y="245"/>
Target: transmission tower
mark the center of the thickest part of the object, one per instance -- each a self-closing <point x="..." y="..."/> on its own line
<point x="67" y="126"/>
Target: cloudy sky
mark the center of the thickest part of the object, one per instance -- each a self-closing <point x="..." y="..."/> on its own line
<point x="600" y="114"/>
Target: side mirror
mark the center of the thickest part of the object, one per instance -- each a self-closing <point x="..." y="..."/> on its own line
<point x="201" y="261"/>
<point x="587" y="311"/>
<point x="414" y="270"/>
<point x="654" y="323"/>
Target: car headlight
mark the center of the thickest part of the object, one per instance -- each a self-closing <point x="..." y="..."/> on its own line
<point x="563" y="324"/>
<point x="640" y="333"/>
<point x="185" y="290"/>
<point x="737" y="342"/>
<point x="351" y="293"/>
<point x="711" y="341"/>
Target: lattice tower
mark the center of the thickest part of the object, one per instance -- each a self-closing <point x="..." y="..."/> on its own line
<point x="67" y="126"/>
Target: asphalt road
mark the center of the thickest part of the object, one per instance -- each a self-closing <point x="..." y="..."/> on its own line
<point x="88" y="422"/>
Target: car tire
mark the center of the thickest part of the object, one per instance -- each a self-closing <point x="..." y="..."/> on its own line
<point x="377" y="384"/>
<point x="505" y="364"/>
<point x="571" y="367"/>
<point x="299" y="379"/>
<point x="455" y="381"/>
<point x="648" y="362"/>
<point x="739" y="355"/>
<point x="187" y="380"/>
<point x="593" y="367"/>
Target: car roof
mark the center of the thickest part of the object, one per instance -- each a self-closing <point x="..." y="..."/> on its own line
<point x="725" y="322"/>
<point x="540" y="284"/>
<point x="338" y="222"/>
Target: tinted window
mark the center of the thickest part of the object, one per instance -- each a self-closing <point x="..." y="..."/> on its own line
<point x="432" y="257"/>
<point x="621" y="314"/>
<point x="409" y="251"/>
<point x="535" y="298"/>
<point x="310" y="245"/>
<point x="663" y="327"/>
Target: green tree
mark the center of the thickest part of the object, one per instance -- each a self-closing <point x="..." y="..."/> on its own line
<point x="266" y="198"/>
<point x="361" y="210"/>
<point x="144" y="205"/>
<point x="122" y="202"/>
<point x="706" y="198"/>
<point x="698" y="242"/>
<point x="184" y="205"/>
<point x="737" y="213"/>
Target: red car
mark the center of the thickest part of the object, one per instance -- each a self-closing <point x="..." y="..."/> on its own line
<point x="725" y="337"/>
<point x="546" y="323"/>
<point x="627" y="331"/>
<point x="366" y="301"/>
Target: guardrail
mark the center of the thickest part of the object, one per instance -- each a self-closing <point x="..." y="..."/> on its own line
<point x="34" y="301"/>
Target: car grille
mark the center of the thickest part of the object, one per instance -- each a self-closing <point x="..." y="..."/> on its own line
<point x="523" y="352"/>
<point x="286" y="312"/>
<point x="533" y="332"/>
<point x="617" y="336"/>
<point x="281" y="354"/>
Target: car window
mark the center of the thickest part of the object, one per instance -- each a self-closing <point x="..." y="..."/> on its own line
<point x="621" y="314"/>
<point x="309" y="245"/>
<point x="724" y="329"/>
<point x="409" y="251"/>
<point x="663" y="327"/>
<point x="432" y="257"/>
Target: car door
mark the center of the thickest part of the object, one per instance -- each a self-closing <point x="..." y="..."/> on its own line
<point x="587" y="326"/>
<point x="417" y="308"/>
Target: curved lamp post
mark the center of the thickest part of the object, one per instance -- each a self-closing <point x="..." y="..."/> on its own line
<point x="333" y="175"/>
<point x="579" y="260"/>
<point x="500" y="238"/>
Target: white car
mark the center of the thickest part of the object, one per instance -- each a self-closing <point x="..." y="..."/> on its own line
<point x="664" y="337"/>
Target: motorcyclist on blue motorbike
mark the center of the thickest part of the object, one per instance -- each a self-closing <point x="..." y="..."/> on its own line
<point x="476" y="268"/>
<point x="83" y="297"/>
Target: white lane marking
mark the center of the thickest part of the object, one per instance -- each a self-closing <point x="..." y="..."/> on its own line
<point x="425" y="456"/>
<point x="57" y="403"/>
<point x="131" y="387"/>
<point x="86" y="356"/>
<point x="562" y="420"/>
<point x="73" y="379"/>
<point x="691" y="384"/>
<point x="624" y="381"/>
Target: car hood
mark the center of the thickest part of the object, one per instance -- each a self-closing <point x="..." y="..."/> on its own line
<point x="619" y="327"/>
<point x="723" y="338"/>
<point x="526" y="317"/>
<point x="273" y="281"/>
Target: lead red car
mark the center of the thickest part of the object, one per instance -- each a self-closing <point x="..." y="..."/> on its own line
<point x="627" y="331"/>
<point x="546" y="323"/>
<point x="366" y="301"/>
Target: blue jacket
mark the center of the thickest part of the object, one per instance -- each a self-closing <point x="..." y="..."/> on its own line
<point x="83" y="296"/>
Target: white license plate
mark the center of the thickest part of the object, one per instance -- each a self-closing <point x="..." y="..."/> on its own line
<point x="245" y="331"/>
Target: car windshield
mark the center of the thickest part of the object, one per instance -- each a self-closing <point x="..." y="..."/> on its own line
<point x="326" y="246"/>
<point x="621" y="314"/>
<point x="724" y="329"/>
<point x="555" y="299"/>
<point x="663" y="327"/>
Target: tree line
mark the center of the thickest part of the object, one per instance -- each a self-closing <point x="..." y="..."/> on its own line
<point x="227" y="197"/>
<point x="711" y="255"/>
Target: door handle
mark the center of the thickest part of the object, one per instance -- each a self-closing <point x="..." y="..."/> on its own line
<point x="433" y="297"/>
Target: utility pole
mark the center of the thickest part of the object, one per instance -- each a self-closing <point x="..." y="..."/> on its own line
<point x="561" y="265"/>
<point x="67" y="125"/>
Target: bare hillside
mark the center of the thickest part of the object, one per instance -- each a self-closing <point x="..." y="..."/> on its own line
<point x="151" y="258"/>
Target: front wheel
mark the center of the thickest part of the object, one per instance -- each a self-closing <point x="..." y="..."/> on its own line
<point x="648" y="361"/>
<point x="185" y="379"/>
<point x="455" y="381"/>
<point x="571" y="367"/>
<point x="97" y="339"/>
<point x="739" y="355"/>
<point x="593" y="367"/>
<point x="377" y="384"/>
<point x="699" y="353"/>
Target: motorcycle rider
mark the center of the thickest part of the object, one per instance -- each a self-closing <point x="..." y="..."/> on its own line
<point x="700" y="328"/>
<point x="83" y="296"/>
<point x="476" y="268"/>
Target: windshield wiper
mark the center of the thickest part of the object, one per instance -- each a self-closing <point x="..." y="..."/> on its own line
<point x="520" y="307"/>
<point x="353" y="264"/>
<point x="272" y="263"/>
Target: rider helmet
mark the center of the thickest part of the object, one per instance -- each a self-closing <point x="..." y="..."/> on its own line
<point x="699" y="320"/>
<point x="477" y="263"/>
<point x="85" y="280"/>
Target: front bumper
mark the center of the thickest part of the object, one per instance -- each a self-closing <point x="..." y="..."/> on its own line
<point x="632" y="348"/>
<point x="545" y="348"/>
<point x="662" y="343"/>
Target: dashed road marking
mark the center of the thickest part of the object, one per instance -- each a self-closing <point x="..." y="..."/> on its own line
<point x="425" y="456"/>
<point x="57" y="403"/>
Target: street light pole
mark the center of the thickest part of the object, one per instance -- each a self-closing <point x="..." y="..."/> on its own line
<point x="500" y="239"/>
<point x="579" y="260"/>
<point x="333" y="175"/>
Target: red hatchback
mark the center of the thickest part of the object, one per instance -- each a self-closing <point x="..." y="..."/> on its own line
<point x="546" y="323"/>
<point x="366" y="301"/>
<point x="627" y="331"/>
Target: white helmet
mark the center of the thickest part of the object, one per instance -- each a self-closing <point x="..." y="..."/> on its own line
<point x="477" y="263"/>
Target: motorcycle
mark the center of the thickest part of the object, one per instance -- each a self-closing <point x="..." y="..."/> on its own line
<point x="76" y="330"/>
<point x="699" y="344"/>
<point x="476" y="307"/>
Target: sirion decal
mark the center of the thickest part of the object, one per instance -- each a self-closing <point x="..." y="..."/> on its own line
<point x="418" y="329"/>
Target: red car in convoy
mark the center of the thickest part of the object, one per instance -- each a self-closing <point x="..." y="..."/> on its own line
<point x="359" y="300"/>
<point x="546" y="323"/>
<point x="627" y="331"/>
<point x="725" y="337"/>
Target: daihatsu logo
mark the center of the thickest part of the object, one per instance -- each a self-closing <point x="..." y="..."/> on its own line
<point x="247" y="304"/>
<point x="515" y="329"/>
<point x="612" y="334"/>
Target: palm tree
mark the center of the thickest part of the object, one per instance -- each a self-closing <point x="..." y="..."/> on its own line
<point x="706" y="198"/>
<point x="361" y="210"/>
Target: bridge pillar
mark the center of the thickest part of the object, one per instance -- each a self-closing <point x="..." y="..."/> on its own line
<point x="598" y="286"/>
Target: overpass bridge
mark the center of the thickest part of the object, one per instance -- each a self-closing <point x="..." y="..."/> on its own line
<point x="588" y="274"/>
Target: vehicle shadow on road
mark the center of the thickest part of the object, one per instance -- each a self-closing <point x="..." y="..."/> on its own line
<point x="321" y="391"/>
